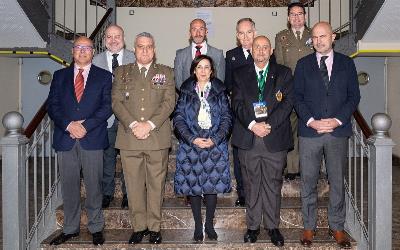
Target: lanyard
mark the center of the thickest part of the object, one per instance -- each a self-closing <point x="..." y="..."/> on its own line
<point x="261" y="83"/>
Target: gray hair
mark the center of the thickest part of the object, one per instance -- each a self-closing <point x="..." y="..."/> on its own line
<point x="144" y="34"/>
<point x="246" y="19"/>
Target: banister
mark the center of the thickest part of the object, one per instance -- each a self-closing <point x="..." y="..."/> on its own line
<point x="100" y="24"/>
<point x="362" y="123"/>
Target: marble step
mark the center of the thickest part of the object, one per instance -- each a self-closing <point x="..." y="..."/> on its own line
<point x="176" y="215"/>
<point x="228" y="239"/>
<point x="289" y="188"/>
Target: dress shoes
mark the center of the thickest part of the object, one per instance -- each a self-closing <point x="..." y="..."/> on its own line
<point x="340" y="238"/>
<point x="198" y="236"/>
<point x="155" y="237"/>
<point x="211" y="234"/>
<point x="240" y="202"/>
<point x="106" y="201"/>
<point x="251" y="235"/>
<point x="307" y="238"/>
<point x="124" y="203"/>
<point x="187" y="201"/>
<point x="98" y="238"/>
<point x="291" y="176"/>
<point x="61" y="238"/>
<point x="137" y="237"/>
<point x="276" y="237"/>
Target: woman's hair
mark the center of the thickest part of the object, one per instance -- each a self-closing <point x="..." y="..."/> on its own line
<point x="196" y="61"/>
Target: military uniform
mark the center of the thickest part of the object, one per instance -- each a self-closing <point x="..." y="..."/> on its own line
<point x="138" y="98"/>
<point x="288" y="50"/>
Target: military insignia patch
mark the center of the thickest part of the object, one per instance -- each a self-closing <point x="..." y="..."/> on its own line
<point x="159" y="79"/>
<point x="279" y="96"/>
<point x="233" y="58"/>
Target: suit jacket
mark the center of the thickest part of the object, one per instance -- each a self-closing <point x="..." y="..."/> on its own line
<point x="234" y="59"/>
<point x="313" y="99"/>
<point x="278" y="94"/>
<point x="288" y="50"/>
<point x="94" y="108"/>
<point x="183" y="61"/>
<point x="100" y="60"/>
<point x="137" y="99"/>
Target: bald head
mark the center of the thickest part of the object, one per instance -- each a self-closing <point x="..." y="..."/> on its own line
<point x="83" y="51"/>
<point x="261" y="51"/>
<point x="323" y="37"/>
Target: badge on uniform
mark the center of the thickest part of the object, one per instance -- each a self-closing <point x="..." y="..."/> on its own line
<point x="233" y="58"/>
<point x="279" y="96"/>
<point x="260" y="109"/>
<point x="309" y="42"/>
<point x="159" y="79"/>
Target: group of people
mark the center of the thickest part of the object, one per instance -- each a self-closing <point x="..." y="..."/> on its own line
<point x="123" y="100"/>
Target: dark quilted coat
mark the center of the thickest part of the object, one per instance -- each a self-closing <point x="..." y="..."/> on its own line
<point x="202" y="171"/>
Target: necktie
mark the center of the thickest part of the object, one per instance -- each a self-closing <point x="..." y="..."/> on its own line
<point x="298" y="35"/>
<point x="249" y="57"/>
<point x="261" y="85"/>
<point x="198" y="52"/>
<point x="143" y="72"/>
<point x="79" y="85"/>
<point x="324" y="71"/>
<point x="114" y="62"/>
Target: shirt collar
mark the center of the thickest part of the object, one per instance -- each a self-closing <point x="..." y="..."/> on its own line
<point x="329" y="55"/>
<point x="147" y="66"/>
<point x="203" y="45"/>
<point x="120" y="53"/>
<point x="85" y="68"/>
<point x="258" y="69"/>
<point x="301" y="31"/>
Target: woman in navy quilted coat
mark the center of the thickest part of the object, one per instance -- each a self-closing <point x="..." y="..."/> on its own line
<point x="202" y="121"/>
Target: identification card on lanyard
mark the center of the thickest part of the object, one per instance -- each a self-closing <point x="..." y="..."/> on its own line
<point x="260" y="107"/>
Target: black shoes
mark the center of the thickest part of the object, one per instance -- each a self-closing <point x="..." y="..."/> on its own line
<point x="276" y="237"/>
<point x="240" y="202"/>
<point x="198" y="236"/>
<point x="124" y="203"/>
<point x="291" y="176"/>
<point x="155" y="237"/>
<point x="61" y="238"/>
<point x="137" y="237"/>
<point x="106" y="201"/>
<point x="211" y="234"/>
<point x="98" y="238"/>
<point x="251" y="235"/>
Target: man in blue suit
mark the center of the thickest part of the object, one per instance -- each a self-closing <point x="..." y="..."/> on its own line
<point x="326" y="95"/>
<point x="236" y="58"/>
<point x="79" y="103"/>
<point x="115" y="55"/>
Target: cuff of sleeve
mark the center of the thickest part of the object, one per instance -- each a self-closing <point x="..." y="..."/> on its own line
<point x="340" y="123"/>
<point x="251" y="124"/>
<point x="152" y="125"/>
<point x="68" y="126"/>
<point x="132" y="124"/>
<point x="310" y="120"/>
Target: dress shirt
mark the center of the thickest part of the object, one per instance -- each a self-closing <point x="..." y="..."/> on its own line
<point x="203" y="49"/>
<point x="246" y="53"/>
<point x="301" y="32"/>
<point x="110" y="57"/>
<point x="85" y="72"/>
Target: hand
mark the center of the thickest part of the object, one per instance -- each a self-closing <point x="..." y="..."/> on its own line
<point x="141" y="130"/>
<point x="324" y="125"/>
<point x="261" y="129"/>
<point x="203" y="142"/>
<point x="76" y="130"/>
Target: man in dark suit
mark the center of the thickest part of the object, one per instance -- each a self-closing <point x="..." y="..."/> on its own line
<point x="326" y="95"/>
<point x="114" y="56"/>
<point x="262" y="102"/>
<point x="198" y="46"/>
<point x="235" y="58"/>
<point x="79" y="103"/>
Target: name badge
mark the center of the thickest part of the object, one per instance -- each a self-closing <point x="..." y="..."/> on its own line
<point x="260" y="109"/>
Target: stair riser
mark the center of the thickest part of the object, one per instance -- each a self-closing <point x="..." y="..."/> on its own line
<point x="181" y="218"/>
<point x="289" y="189"/>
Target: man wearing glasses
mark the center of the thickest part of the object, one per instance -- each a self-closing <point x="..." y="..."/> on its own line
<point x="79" y="103"/>
<point x="291" y="44"/>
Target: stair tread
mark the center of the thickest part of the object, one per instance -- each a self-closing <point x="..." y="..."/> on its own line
<point x="182" y="238"/>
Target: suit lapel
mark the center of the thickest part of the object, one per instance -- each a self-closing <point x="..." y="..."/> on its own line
<point x="270" y="85"/>
<point x="335" y="68"/>
<point x="253" y="83"/>
<point x="71" y="81"/>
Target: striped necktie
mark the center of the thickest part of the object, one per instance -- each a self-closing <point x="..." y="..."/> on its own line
<point x="79" y="85"/>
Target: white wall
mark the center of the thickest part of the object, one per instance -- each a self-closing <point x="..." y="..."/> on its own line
<point x="170" y="26"/>
<point x="393" y="76"/>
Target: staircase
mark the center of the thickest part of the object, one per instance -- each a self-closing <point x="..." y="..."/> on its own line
<point x="177" y="225"/>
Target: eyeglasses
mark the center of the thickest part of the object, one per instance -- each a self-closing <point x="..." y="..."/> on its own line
<point x="83" y="48"/>
<point x="296" y="14"/>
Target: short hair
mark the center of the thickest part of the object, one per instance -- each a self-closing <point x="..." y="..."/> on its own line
<point x="196" y="61"/>
<point x="144" y="34"/>
<point x="295" y="4"/>
<point x="246" y="19"/>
